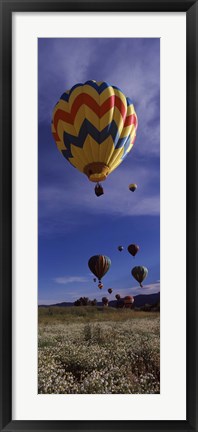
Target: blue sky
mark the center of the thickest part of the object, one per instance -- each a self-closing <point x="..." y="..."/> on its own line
<point x="74" y="224"/>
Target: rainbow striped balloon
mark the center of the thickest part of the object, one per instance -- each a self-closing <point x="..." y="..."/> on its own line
<point x="94" y="126"/>
<point x="99" y="265"/>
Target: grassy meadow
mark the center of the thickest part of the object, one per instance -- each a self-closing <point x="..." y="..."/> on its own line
<point x="94" y="349"/>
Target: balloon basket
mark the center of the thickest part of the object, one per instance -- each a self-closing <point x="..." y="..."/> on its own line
<point x="99" y="190"/>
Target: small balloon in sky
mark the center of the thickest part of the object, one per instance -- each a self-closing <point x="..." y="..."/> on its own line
<point x="132" y="187"/>
<point x="133" y="249"/>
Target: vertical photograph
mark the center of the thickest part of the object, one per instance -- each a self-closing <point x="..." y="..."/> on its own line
<point x="98" y="215"/>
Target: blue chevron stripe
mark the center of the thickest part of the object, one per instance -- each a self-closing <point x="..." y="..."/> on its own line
<point x="99" y="89"/>
<point x="88" y="129"/>
<point x="129" y="101"/>
<point x="117" y="88"/>
<point x="66" y="96"/>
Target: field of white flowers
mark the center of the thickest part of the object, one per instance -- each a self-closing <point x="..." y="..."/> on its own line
<point x="119" y="354"/>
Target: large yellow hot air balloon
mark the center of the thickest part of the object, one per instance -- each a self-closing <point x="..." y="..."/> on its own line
<point x="94" y="126"/>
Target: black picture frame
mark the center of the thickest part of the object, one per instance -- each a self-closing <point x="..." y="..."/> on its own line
<point x="7" y="7"/>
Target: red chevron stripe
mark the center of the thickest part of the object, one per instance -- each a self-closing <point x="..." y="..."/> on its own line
<point x="85" y="99"/>
<point x="62" y="115"/>
<point x="99" y="110"/>
<point x="131" y="119"/>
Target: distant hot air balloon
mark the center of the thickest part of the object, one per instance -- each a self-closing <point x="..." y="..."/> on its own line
<point x="128" y="301"/>
<point x="120" y="248"/>
<point x="94" y="279"/>
<point x="133" y="249"/>
<point x="100" y="285"/>
<point x="99" y="265"/>
<point x="110" y="290"/>
<point x="105" y="301"/>
<point x="139" y="273"/>
<point x="117" y="296"/>
<point x="94" y="126"/>
<point x="132" y="187"/>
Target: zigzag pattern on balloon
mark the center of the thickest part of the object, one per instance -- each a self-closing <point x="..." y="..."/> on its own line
<point x="88" y="129"/>
<point x="91" y="117"/>
<point x="113" y="107"/>
<point x="92" y="151"/>
<point x="98" y="86"/>
<point x="81" y="97"/>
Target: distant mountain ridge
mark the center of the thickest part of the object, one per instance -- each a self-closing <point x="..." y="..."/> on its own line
<point x="139" y="301"/>
<point x="142" y="299"/>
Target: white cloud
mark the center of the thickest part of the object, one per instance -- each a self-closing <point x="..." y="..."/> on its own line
<point x="154" y="286"/>
<point x="64" y="280"/>
<point x="138" y="77"/>
<point x="55" y="201"/>
<point x="64" y="67"/>
<point x="147" y="289"/>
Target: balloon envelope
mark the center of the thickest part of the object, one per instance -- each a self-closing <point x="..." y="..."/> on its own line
<point x="120" y="248"/>
<point x="139" y="273"/>
<point x="128" y="300"/>
<point x="94" y="126"/>
<point x="133" y="249"/>
<point x="132" y="187"/>
<point x="99" y="265"/>
<point x="105" y="301"/>
<point x="110" y="290"/>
